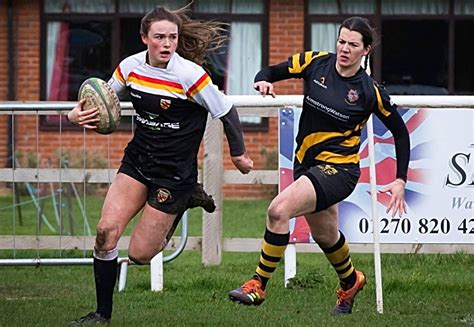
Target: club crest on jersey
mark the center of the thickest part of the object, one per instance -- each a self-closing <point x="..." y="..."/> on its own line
<point x="162" y="195"/>
<point x="328" y="169"/>
<point x="352" y="97"/>
<point x="165" y="104"/>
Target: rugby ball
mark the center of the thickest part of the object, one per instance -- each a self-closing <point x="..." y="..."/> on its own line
<point x="99" y="94"/>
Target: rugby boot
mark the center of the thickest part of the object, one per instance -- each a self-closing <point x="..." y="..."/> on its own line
<point x="200" y="198"/>
<point x="345" y="300"/>
<point x="250" y="293"/>
<point x="92" y="318"/>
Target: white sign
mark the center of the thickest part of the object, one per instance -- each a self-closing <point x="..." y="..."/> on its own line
<point x="440" y="187"/>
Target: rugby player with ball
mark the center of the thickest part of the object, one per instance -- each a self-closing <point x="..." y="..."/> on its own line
<point x="172" y="96"/>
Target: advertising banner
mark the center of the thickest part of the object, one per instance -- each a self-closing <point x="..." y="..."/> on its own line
<point x="439" y="189"/>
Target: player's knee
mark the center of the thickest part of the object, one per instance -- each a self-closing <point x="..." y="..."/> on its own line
<point x="277" y="212"/>
<point x="106" y="235"/>
<point x="138" y="260"/>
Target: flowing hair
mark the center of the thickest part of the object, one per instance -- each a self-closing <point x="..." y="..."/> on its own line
<point x="196" y="38"/>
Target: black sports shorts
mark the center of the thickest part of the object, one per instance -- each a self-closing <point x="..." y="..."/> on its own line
<point x="166" y="199"/>
<point x="332" y="183"/>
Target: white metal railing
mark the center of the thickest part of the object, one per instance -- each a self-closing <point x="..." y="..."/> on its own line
<point x="213" y="175"/>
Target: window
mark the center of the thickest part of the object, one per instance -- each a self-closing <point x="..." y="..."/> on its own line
<point x="409" y="65"/>
<point x="338" y="7"/>
<point x="410" y="7"/>
<point x="234" y="68"/>
<point x="75" y="51"/>
<point x="424" y="46"/>
<point x="463" y="70"/>
<point x="87" y="38"/>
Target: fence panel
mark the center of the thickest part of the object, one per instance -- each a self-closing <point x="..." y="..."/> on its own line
<point x="57" y="179"/>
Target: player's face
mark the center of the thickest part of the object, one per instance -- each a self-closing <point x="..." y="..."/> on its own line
<point x="350" y="49"/>
<point x="162" y="41"/>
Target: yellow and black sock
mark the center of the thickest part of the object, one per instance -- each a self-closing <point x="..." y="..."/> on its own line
<point x="339" y="257"/>
<point x="273" y="249"/>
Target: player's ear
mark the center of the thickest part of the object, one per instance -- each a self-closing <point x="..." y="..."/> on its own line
<point x="144" y="38"/>
<point x="367" y="50"/>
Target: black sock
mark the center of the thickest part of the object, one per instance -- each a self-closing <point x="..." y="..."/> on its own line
<point x="105" y="274"/>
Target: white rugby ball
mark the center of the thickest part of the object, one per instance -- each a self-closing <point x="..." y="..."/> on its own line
<point x="99" y="94"/>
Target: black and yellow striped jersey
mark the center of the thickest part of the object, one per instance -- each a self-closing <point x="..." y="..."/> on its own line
<point x="335" y="109"/>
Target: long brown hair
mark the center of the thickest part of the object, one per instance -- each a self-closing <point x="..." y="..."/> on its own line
<point x="196" y="38"/>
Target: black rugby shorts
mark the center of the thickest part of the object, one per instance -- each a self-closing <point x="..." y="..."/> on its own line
<point x="332" y="183"/>
<point x="163" y="198"/>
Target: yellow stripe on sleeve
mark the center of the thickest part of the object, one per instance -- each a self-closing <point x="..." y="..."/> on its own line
<point x="308" y="58"/>
<point x="384" y="111"/>
<point x="200" y="86"/>
<point x="119" y="76"/>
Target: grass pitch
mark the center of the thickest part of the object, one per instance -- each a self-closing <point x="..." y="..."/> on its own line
<point x="419" y="290"/>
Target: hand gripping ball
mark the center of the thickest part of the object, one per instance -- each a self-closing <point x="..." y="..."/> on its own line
<point x="99" y="94"/>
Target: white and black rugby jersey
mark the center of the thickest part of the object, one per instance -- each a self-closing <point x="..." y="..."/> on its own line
<point x="335" y="109"/>
<point x="171" y="106"/>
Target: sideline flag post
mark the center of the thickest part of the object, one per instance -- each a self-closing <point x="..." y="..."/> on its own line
<point x="375" y="216"/>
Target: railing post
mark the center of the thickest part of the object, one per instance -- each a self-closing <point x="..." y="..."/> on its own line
<point x="213" y="177"/>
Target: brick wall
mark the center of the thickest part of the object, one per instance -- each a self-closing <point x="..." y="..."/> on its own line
<point x="27" y="35"/>
<point x="286" y="37"/>
<point x="286" y="28"/>
<point x="3" y="81"/>
<point x="3" y="51"/>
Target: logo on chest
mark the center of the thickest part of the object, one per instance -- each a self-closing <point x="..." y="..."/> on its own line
<point x="165" y="104"/>
<point x="352" y="97"/>
<point x="321" y="81"/>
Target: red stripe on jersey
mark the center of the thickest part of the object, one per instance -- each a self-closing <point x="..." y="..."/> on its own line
<point x="119" y="75"/>
<point x="156" y="81"/>
<point x="196" y="87"/>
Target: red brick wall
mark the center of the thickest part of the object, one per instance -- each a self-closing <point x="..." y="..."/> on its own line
<point x="27" y="35"/>
<point x="286" y="28"/>
<point x="3" y="81"/>
<point x="3" y="50"/>
<point x="286" y="37"/>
